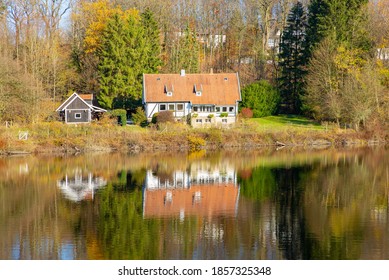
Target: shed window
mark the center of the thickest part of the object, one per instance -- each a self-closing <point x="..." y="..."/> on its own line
<point x="162" y="107"/>
<point x="77" y="115"/>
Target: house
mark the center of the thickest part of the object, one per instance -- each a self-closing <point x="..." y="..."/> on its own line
<point x="79" y="108"/>
<point x="201" y="99"/>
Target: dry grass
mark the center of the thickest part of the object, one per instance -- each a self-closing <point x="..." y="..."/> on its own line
<point x="58" y="137"/>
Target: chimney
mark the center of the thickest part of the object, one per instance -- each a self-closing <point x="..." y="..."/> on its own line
<point x="182" y="73"/>
<point x="211" y="70"/>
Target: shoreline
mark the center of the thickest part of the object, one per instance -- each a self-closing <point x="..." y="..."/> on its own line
<point x="57" y="138"/>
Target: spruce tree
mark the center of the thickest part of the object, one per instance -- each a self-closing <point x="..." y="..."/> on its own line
<point x="293" y="60"/>
<point x="343" y="20"/>
<point x="151" y="35"/>
<point x="122" y="59"/>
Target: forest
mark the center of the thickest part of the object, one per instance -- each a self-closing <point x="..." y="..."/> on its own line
<point x="324" y="59"/>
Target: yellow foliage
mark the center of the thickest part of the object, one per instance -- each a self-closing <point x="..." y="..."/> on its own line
<point x="348" y="60"/>
<point x="96" y="15"/>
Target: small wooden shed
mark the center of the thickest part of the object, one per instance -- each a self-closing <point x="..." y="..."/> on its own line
<point x="79" y="109"/>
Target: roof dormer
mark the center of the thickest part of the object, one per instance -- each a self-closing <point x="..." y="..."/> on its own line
<point x="169" y="90"/>
<point x="198" y="89"/>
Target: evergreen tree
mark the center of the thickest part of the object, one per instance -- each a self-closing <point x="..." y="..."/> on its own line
<point x="151" y="35"/>
<point x="123" y="57"/>
<point x="344" y="20"/>
<point x="293" y="60"/>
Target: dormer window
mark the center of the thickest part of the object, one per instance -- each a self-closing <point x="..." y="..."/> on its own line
<point x="198" y="89"/>
<point x="169" y="90"/>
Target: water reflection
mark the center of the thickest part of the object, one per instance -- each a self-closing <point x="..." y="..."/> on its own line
<point x="77" y="187"/>
<point x="257" y="205"/>
<point x="201" y="189"/>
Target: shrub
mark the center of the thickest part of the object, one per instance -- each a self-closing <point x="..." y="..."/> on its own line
<point x="164" y="117"/>
<point x="210" y="116"/>
<point x="261" y="97"/>
<point x="224" y="115"/>
<point x="121" y="114"/>
<point x="195" y="143"/>
<point x="247" y="113"/>
<point x="139" y="117"/>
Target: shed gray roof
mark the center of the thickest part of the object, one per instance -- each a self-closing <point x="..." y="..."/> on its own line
<point x="79" y="102"/>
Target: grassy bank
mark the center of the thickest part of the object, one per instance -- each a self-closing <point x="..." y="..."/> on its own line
<point x="282" y="130"/>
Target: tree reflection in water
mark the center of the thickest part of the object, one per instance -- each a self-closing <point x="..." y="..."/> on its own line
<point x="236" y="205"/>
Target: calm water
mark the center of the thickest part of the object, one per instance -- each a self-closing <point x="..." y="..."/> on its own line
<point x="236" y="205"/>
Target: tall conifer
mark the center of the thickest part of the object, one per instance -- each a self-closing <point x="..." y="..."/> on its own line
<point x="292" y="60"/>
<point x="152" y="37"/>
<point x="123" y="56"/>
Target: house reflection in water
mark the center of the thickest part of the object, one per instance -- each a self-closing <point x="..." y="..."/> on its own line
<point x="199" y="191"/>
<point x="78" y="188"/>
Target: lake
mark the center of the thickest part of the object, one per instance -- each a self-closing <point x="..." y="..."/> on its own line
<point x="265" y="204"/>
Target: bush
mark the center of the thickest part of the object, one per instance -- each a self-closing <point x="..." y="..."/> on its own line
<point x="139" y="117"/>
<point x="164" y="117"/>
<point x="121" y="114"/>
<point x="261" y="97"/>
<point x="247" y="113"/>
<point x="195" y="143"/>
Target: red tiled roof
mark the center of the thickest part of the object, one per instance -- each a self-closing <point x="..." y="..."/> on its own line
<point x="218" y="88"/>
<point x="86" y="96"/>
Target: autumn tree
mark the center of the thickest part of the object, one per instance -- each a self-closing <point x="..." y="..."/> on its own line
<point x="185" y="52"/>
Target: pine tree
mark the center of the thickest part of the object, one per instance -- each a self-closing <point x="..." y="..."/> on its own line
<point x="123" y="56"/>
<point x="151" y="34"/>
<point x="293" y="62"/>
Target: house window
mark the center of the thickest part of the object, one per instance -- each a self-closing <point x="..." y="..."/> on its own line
<point x="231" y="109"/>
<point x="199" y="120"/>
<point x="224" y="109"/>
<point x="162" y="107"/>
<point x="195" y="108"/>
<point x="77" y="116"/>
<point x="207" y="120"/>
<point x="171" y="107"/>
<point x="217" y="109"/>
<point x="180" y="107"/>
<point x="224" y="120"/>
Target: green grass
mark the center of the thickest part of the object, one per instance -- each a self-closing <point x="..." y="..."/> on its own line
<point x="286" y="122"/>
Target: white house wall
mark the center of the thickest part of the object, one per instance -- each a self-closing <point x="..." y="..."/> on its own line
<point x="152" y="108"/>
